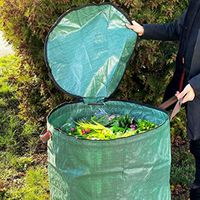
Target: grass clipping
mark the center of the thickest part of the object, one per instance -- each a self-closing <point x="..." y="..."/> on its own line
<point x="108" y="127"/>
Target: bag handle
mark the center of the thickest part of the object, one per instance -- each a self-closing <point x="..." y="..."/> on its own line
<point x="45" y="135"/>
<point x="169" y="102"/>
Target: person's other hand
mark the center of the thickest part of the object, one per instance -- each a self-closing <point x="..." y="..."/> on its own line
<point x="186" y="95"/>
<point x="136" y="27"/>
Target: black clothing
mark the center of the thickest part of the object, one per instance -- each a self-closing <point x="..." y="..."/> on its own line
<point x="195" y="150"/>
<point x="195" y="194"/>
<point x="186" y="31"/>
<point x="195" y="189"/>
<point x="190" y="43"/>
<point x="190" y="33"/>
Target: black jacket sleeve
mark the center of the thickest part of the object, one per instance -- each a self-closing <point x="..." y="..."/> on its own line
<point x="195" y="83"/>
<point x="166" y="32"/>
<point x="194" y="75"/>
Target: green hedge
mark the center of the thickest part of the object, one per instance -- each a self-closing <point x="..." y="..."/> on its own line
<point x="16" y="135"/>
<point x="26" y="23"/>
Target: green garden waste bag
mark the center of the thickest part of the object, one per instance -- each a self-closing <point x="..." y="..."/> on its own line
<point x="87" y="51"/>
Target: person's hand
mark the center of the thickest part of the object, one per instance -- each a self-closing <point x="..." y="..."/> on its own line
<point x="136" y="27"/>
<point x="186" y="95"/>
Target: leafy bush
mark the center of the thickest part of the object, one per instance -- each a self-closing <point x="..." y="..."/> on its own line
<point x="178" y="126"/>
<point x="35" y="186"/>
<point x="15" y="133"/>
<point x="182" y="167"/>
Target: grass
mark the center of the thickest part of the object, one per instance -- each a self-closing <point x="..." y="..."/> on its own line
<point x="22" y="179"/>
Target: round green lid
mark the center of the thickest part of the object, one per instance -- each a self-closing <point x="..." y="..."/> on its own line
<point x="87" y="50"/>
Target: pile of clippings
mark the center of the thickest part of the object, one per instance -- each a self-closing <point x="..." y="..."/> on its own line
<point x="108" y="127"/>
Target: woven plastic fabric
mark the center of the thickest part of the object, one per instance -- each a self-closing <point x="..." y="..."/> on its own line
<point x="87" y="50"/>
<point x="133" y="168"/>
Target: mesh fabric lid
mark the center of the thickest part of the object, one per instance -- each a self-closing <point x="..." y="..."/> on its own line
<point x="87" y="50"/>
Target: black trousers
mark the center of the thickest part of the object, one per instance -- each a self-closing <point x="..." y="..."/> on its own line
<point x="195" y="189"/>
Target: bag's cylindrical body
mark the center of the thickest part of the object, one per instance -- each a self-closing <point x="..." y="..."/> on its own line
<point x="133" y="168"/>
